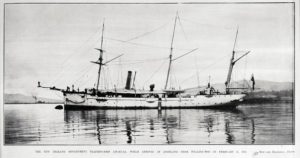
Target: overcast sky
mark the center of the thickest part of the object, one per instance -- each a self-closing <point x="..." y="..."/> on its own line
<point x="54" y="43"/>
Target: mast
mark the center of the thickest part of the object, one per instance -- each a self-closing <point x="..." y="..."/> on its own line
<point x="100" y="58"/>
<point x="171" y="52"/>
<point x="232" y="62"/>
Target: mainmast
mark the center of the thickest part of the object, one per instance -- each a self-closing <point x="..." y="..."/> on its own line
<point x="100" y="59"/>
<point x="171" y="52"/>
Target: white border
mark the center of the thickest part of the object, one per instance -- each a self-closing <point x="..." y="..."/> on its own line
<point x="251" y="150"/>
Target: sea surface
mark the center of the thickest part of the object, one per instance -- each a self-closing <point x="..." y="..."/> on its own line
<point x="267" y="123"/>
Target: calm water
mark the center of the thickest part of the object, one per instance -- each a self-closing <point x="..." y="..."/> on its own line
<point x="248" y="124"/>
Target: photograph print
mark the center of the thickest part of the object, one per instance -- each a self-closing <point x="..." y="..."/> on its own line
<point x="149" y="74"/>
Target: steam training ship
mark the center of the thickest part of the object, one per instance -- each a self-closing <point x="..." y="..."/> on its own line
<point x="133" y="98"/>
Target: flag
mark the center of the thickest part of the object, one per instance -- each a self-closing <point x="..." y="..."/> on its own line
<point x="253" y="81"/>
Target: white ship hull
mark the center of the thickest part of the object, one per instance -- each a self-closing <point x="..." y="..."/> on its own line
<point x="200" y="101"/>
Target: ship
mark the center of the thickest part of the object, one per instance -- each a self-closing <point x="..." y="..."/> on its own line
<point x="132" y="98"/>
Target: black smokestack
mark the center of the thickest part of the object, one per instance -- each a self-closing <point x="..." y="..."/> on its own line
<point x="152" y="87"/>
<point x="128" y="82"/>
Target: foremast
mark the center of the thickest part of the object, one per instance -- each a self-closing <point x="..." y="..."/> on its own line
<point x="100" y="58"/>
<point x="232" y="62"/>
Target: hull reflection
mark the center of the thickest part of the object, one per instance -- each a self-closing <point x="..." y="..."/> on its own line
<point x="138" y="126"/>
<point x="247" y="124"/>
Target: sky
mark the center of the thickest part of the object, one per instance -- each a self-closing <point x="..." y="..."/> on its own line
<point x="54" y="44"/>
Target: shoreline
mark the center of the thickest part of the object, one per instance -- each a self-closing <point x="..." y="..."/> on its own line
<point x="246" y="100"/>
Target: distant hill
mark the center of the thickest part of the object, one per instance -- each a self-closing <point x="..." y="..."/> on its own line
<point x="273" y="86"/>
<point x="20" y="98"/>
<point x="260" y="85"/>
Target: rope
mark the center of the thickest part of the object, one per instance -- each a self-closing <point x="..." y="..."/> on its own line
<point x="197" y="71"/>
<point x="84" y="82"/>
<point x="110" y="83"/>
<point x="208" y="25"/>
<point x="144" y="45"/>
<point x="86" y="70"/>
<point x="245" y="68"/>
<point x="154" y="73"/>
<point x="140" y="62"/>
<point x="171" y="77"/>
<point x="58" y="80"/>
<point x="147" y="33"/>
<point x="81" y="46"/>
<point x="137" y="44"/>
<point x="184" y="34"/>
<point x="144" y="60"/>
<point x="120" y="74"/>
<point x="67" y="59"/>
<point x="205" y="68"/>
<point x="174" y="82"/>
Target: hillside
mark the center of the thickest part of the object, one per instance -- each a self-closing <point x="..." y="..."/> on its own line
<point x="260" y="85"/>
<point x="264" y="89"/>
<point x="20" y="98"/>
